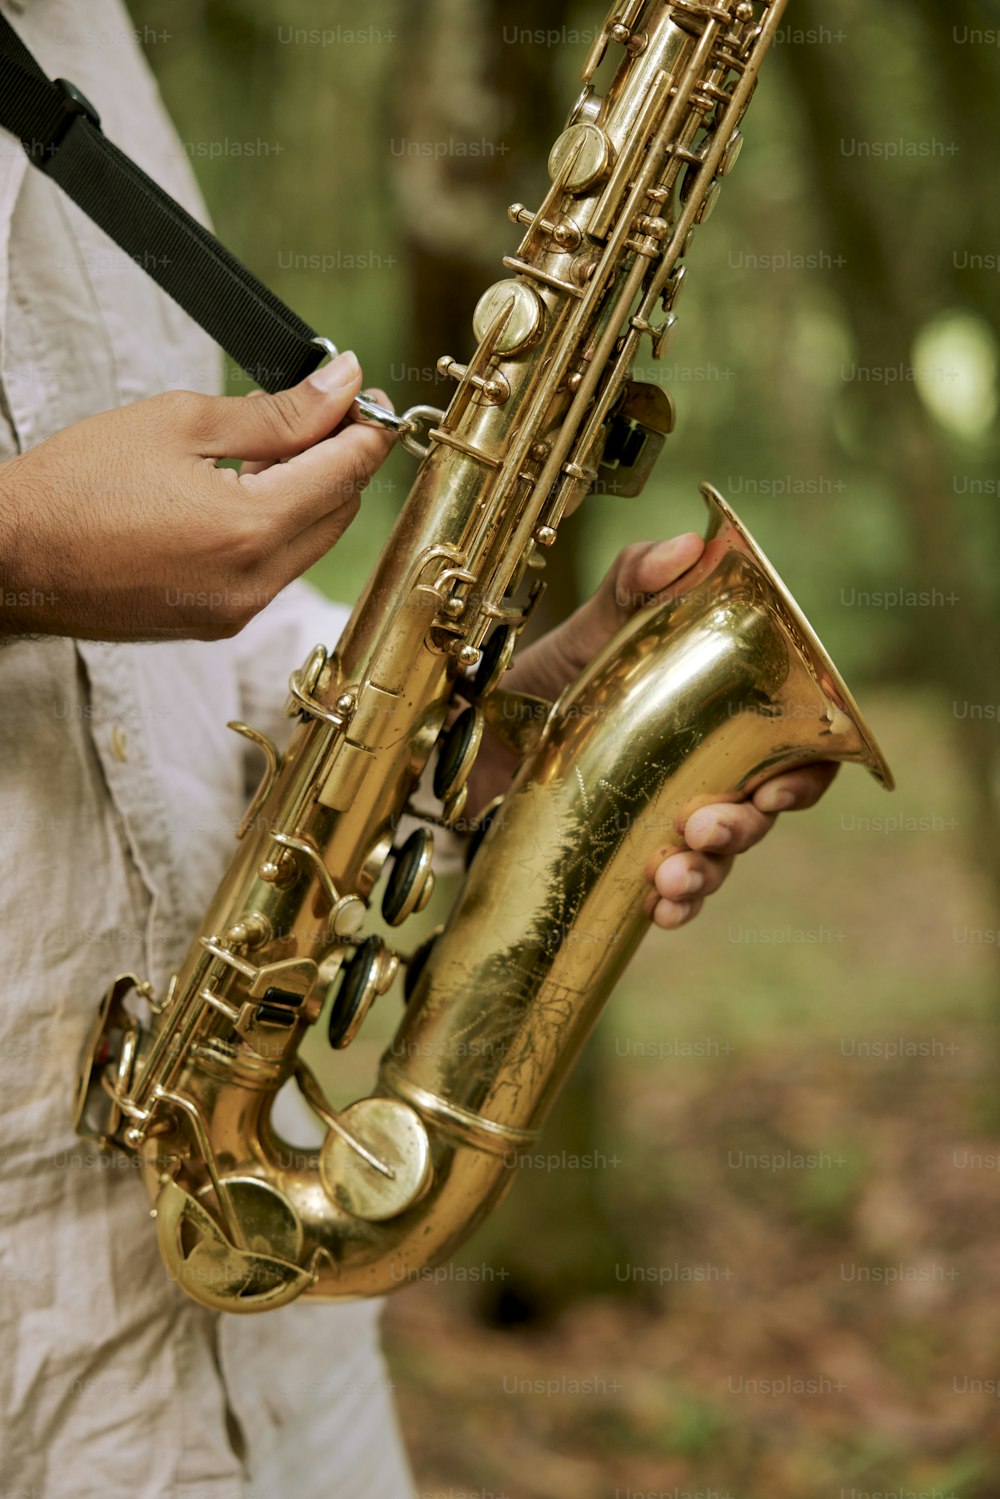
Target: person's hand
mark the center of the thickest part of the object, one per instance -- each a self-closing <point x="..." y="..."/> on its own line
<point x="122" y="527"/>
<point x="714" y="834"/>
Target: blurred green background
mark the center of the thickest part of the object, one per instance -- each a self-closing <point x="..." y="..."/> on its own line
<point x="768" y="1263"/>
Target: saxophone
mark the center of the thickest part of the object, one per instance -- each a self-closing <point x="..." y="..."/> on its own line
<point x="705" y="692"/>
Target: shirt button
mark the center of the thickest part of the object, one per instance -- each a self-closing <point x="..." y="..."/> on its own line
<point x="119" y="743"/>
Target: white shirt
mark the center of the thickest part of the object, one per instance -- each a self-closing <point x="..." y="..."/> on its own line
<point x="120" y="788"/>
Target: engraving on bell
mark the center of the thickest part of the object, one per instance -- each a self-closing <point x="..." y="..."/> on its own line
<point x="580" y="158"/>
<point x="523" y="322"/>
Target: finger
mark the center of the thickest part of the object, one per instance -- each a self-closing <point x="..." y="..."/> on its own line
<point x="659" y="565"/>
<point x="258" y="465"/>
<point x="309" y="546"/>
<point x="727" y="828"/>
<point x="685" y="875"/>
<point x="796" y="789"/>
<point x="316" y="483"/>
<point x="312" y="545"/>
<point x="255" y="465"/>
<point x="671" y="914"/>
<point x="266" y="427"/>
<point x="637" y="574"/>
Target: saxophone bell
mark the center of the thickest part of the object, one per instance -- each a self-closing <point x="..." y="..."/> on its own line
<point x="707" y="691"/>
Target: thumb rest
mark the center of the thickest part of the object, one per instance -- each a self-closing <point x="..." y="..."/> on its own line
<point x="708" y="690"/>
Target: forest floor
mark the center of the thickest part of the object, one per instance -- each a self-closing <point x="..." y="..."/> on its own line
<point x="831" y="1329"/>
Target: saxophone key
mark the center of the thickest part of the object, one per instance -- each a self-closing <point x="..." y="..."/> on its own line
<point x="581" y="158"/>
<point x="378" y="1162"/>
<point x="670" y="295"/>
<point x="496" y="658"/>
<point x="587" y="109"/>
<point x="365" y="976"/>
<point x="545" y="278"/>
<point x="415" y="964"/>
<point x="249" y="932"/>
<point x="459" y="748"/>
<point x="634" y="41"/>
<point x="453" y="809"/>
<point x="661" y="334"/>
<point x="482" y="826"/>
<point x="467" y="655"/>
<point x="518" y="720"/>
<point x="564" y="232"/>
<point x="512" y="313"/>
<point x="731" y="155"/>
<point x="708" y="204"/>
<point x="411" y="882"/>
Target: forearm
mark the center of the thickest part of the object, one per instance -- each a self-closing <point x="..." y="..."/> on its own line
<point x="22" y="588"/>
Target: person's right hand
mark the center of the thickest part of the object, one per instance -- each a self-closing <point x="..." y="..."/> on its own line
<point x="121" y="527"/>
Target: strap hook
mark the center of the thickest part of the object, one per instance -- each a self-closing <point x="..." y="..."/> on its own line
<point x="407" y="426"/>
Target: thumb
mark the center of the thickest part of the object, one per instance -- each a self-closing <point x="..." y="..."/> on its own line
<point x="635" y="577"/>
<point x="643" y="571"/>
<point x="265" y="427"/>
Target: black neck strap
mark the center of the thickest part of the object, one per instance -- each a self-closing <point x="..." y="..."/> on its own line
<point x="61" y="132"/>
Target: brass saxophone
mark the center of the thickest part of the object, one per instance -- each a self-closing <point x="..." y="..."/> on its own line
<point x="707" y="691"/>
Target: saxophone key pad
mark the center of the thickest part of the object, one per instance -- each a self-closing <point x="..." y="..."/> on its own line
<point x="412" y="879"/>
<point x="365" y="976"/>
<point x="483" y="824"/>
<point x="456" y="757"/>
<point x="496" y="658"/>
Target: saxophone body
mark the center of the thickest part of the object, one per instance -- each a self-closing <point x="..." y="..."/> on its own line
<point x="706" y="692"/>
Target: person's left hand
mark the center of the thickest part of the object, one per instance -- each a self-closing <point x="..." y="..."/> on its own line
<point x="714" y="834"/>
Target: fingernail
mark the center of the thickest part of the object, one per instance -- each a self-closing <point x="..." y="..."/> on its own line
<point x="338" y="374"/>
<point x="775" y="800"/>
<point x="719" y="837"/>
<point x="694" y="882"/>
